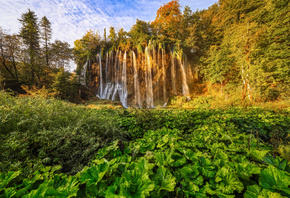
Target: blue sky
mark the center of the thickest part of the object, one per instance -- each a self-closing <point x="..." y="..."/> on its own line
<point x="72" y="18"/>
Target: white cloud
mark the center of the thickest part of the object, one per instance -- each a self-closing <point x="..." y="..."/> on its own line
<point x="72" y="18"/>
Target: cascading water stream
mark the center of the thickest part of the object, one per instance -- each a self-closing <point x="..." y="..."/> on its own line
<point x="173" y="75"/>
<point x="185" y="90"/>
<point x="83" y="74"/>
<point x="151" y="76"/>
<point x="164" y="76"/>
<point x="101" y="76"/>
<point x="116" y="83"/>
<point x="149" y="95"/>
<point x="123" y="95"/>
<point x="136" y="82"/>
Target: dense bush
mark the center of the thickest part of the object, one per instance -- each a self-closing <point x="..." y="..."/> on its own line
<point x="37" y="131"/>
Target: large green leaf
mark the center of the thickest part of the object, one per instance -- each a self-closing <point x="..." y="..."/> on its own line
<point x="179" y="160"/>
<point x="189" y="188"/>
<point x="9" y="192"/>
<point x="270" y="194"/>
<point x="220" y="158"/>
<point x="94" y="174"/>
<point x="164" y="158"/>
<point x="207" y="168"/>
<point x="38" y="193"/>
<point x="189" y="173"/>
<point x="227" y="181"/>
<point x="245" y="169"/>
<point x="6" y="178"/>
<point x="191" y="155"/>
<point x="258" y="154"/>
<point x="277" y="162"/>
<point x="253" y="191"/>
<point x="136" y="184"/>
<point x="275" y="179"/>
<point x="114" y="190"/>
<point x="164" y="180"/>
<point x="63" y="186"/>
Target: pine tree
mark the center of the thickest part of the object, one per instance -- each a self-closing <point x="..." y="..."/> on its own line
<point x="45" y="33"/>
<point x="29" y="32"/>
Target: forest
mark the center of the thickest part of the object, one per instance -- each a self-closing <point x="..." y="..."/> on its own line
<point x="237" y="48"/>
<point x="191" y="104"/>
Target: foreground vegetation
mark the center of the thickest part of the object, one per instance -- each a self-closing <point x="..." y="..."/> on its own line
<point x="52" y="148"/>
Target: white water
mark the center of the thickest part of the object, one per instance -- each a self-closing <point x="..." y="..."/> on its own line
<point x="101" y="75"/>
<point x="147" y="76"/>
<point x="185" y="90"/>
<point x="173" y="75"/>
<point x="83" y="74"/>
<point x="136" y="82"/>
<point x="123" y="95"/>
<point x="116" y="83"/>
<point x="149" y="95"/>
<point x="164" y="77"/>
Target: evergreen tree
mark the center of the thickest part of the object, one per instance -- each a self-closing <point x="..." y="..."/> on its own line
<point x="45" y="33"/>
<point x="61" y="54"/>
<point x="29" y="32"/>
<point x="112" y="37"/>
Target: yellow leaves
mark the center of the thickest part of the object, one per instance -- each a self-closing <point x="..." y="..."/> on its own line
<point x="168" y="18"/>
<point x="85" y="46"/>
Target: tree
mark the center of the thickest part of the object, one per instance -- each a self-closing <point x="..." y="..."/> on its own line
<point x="217" y="65"/>
<point x="61" y="54"/>
<point x="186" y="22"/>
<point x="62" y="84"/>
<point x="9" y="51"/>
<point x="45" y="33"/>
<point x="86" y="47"/>
<point x="29" y="32"/>
<point x="140" y="33"/>
<point x="112" y="37"/>
<point x="167" y="21"/>
<point x="123" y="42"/>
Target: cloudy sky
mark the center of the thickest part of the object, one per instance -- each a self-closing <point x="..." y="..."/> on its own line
<point x="72" y="18"/>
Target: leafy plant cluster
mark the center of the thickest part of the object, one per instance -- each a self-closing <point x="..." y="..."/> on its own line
<point x="167" y="163"/>
<point x="267" y="124"/>
<point x="37" y="131"/>
<point x="49" y="148"/>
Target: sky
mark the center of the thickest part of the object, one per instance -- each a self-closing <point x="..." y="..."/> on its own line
<point x="71" y="19"/>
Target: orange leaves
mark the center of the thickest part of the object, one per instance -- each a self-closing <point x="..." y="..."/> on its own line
<point x="167" y="19"/>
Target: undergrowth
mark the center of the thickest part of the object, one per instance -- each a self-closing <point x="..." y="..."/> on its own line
<point x="52" y="148"/>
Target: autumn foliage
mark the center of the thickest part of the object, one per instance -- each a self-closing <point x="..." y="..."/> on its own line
<point x="167" y="20"/>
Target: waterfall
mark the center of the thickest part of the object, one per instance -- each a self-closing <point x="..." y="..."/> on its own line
<point x="185" y="90"/>
<point x="158" y="73"/>
<point x="109" y="76"/>
<point x="149" y="76"/>
<point x="115" y="77"/>
<point x="83" y="74"/>
<point x="148" y="71"/>
<point x="136" y="82"/>
<point x="101" y="76"/>
<point x="123" y="87"/>
<point x="106" y="72"/>
<point x="164" y="76"/>
<point x="173" y="73"/>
